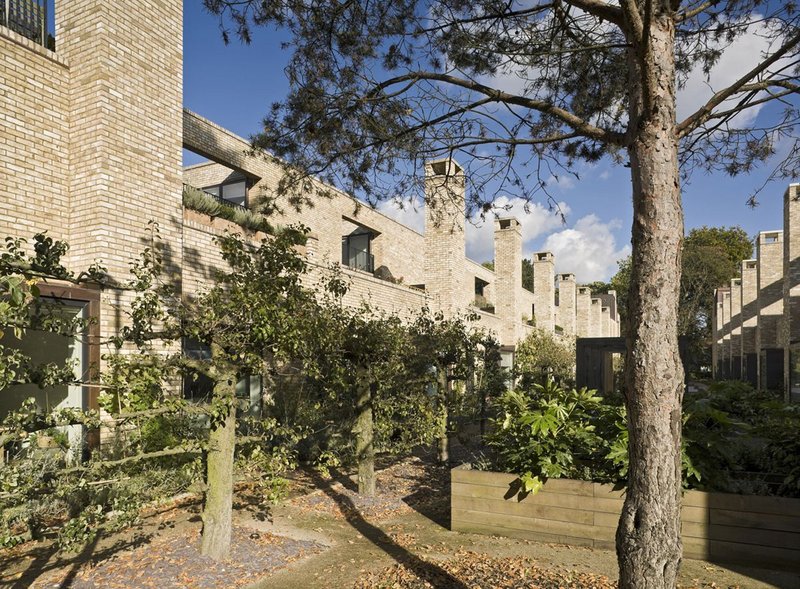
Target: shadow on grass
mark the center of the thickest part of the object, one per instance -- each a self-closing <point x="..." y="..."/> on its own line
<point x="47" y="558"/>
<point x="431" y="496"/>
<point x="436" y="576"/>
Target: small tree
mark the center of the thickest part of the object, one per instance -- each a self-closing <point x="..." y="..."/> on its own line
<point x="446" y="350"/>
<point x="542" y="356"/>
<point x="253" y="315"/>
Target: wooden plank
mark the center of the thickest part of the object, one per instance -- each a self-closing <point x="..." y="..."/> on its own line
<point x="606" y="520"/>
<point x="760" y="521"/>
<point x="752" y="536"/>
<point x="694" y="514"/>
<point x="504" y="481"/>
<point x="472" y="490"/>
<point x="607" y="505"/>
<point x="524" y="509"/>
<point x="761" y="556"/>
<point x="755" y="504"/>
<point x="493" y="520"/>
<point x="555" y="499"/>
<point x="697" y="530"/>
<point x="696" y="548"/>
<point x="605" y="544"/>
<point x="606" y="491"/>
<point x="695" y="499"/>
<point x="569" y="487"/>
<point x="484" y="478"/>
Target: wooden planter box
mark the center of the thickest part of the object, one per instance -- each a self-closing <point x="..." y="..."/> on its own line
<point x="742" y="529"/>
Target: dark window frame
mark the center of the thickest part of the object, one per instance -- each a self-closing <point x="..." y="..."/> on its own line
<point x="221" y="191"/>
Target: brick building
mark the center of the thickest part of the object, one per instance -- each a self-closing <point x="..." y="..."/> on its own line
<point x="756" y="322"/>
<point x="91" y="137"/>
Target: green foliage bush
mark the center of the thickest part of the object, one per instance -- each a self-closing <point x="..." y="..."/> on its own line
<point x="735" y="440"/>
<point x="197" y="200"/>
<point x="553" y="432"/>
<point x="543" y="356"/>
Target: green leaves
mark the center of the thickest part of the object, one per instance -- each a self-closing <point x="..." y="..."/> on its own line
<point x="551" y="432"/>
<point x="542" y="357"/>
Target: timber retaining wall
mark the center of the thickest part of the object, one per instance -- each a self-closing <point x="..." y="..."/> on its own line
<point x="743" y="529"/>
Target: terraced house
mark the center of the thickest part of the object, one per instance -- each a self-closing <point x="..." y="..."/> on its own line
<point x="756" y="320"/>
<point x="92" y="128"/>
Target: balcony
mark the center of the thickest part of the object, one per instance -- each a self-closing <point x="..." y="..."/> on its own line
<point x="356" y="250"/>
<point x="27" y="18"/>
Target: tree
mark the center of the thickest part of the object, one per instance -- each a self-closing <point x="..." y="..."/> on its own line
<point x="711" y="257"/>
<point x="375" y="85"/>
<point x="542" y="357"/>
<point x="255" y="314"/>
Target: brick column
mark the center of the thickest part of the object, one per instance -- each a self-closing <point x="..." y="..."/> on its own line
<point x="725" y="355"/>
<point x="716" y="336"/>
<point x="605" y="322"/>
<point x="770" y="309"/>
<point x="749" y="312"/>
<point x="583" y="303"/>
<point x="791" y="291"/>
<point x="508" y="278"/>
<point x="596" y="317"/>
<point x="735" y="352"/>
<point x="126" y="118"/>
<point x="445" y="244"/>
<point x="567" y="303"/>
<point x="544" y="290"/>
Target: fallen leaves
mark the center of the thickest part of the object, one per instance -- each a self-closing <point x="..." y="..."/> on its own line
<point x="470" y="570"/>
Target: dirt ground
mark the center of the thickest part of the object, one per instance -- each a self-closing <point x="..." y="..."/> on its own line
<point x="326" y="536"/>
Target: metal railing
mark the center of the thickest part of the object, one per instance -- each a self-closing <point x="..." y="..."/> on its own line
<point x="227" y="203"/>
<point x="27" y="18"/>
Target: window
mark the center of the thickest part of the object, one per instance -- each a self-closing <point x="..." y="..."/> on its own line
<point x="198" y="387"/>
<point x="232" y="192"/>
<point x="357" y="250"/>
<point x="80" y="351"/>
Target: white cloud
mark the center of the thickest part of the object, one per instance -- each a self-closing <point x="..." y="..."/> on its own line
<point x="740" y="56"/>
<point x="565" y="181"/>
<point x="535" y="219"/>
<point x="589" y="249"/>
<point x="410" y="213"/>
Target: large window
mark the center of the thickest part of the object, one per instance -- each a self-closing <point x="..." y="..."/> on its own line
<point x="232" y="192"/>
<point x="43" y="347"/>
<point x="357" y="250"/>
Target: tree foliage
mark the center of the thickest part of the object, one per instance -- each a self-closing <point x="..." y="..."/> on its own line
<point x="543" y="356"/>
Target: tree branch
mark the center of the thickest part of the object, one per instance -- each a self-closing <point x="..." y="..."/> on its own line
<point x="494" y="95"/>
<point x="692" y="12"/>
<point x="176" y="451"/>
<point x="630" y="11"/>
<point x="704" y="112"/>
<point x="599" y="9"/>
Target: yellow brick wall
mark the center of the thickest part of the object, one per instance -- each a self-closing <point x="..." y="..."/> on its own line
<point x="34" y="138"/>
<point x="126" y="102"/>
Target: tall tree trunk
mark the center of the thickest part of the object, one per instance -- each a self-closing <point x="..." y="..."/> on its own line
<point x="365" y="449"/>
<point x="648" y="537"/>
<point x="443" y="441"/>
<point x="216" y="540"/>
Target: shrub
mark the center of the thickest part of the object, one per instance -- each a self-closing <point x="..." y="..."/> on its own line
<point x="197" y="200"/>
<point x="542" y="356"/>
<point x="553" y="432"/>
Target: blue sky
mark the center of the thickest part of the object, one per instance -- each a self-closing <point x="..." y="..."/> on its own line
<point x="234" y="86"/>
